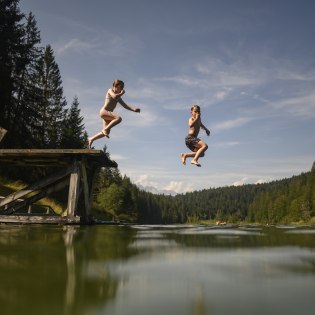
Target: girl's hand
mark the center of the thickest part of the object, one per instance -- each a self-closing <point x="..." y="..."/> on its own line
<point x="137" y="110"/>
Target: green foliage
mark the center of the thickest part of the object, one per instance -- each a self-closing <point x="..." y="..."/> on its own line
<point x="73" y="134"/>
<point x="285" y="201"/>
<point x="33" y="110"/>
<point x="32" y="105"/>
<point x="115" y="197"/>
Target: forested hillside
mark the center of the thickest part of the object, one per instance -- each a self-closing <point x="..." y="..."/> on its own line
<point x="35" y="112"/>
<point x="283" y="201"/>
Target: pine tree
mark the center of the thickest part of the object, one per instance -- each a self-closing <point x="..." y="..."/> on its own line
<point x="73" y="133"/>
<point x="51" y="105"/>
<point x="11" y="48"/>
<point x="27" y="93"/>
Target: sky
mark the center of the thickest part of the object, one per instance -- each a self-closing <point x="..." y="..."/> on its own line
<point x="249" y="65"/>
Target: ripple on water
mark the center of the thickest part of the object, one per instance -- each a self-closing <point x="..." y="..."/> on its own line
<point x="220" y="231"/>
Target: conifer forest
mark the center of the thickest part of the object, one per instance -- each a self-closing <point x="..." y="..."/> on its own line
<point x="37" y="115"/>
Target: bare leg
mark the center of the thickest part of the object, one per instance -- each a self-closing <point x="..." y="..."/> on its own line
<point x="113" y="123"/>
<point x="201" y="151"/>
<point x="110" y="120"/>
<point x="186" y="155"/>
<point x="105" y="124"/>
<point x="95" y="137"/>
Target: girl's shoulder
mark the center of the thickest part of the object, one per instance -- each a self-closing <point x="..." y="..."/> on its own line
<point x="110" y="93"/>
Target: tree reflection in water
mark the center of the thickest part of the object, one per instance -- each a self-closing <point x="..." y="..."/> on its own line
<point x="156" y="269"/>
<point x="59" y="270"/>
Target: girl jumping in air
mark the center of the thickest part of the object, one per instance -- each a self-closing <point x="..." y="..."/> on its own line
<point x="110" y="119"/>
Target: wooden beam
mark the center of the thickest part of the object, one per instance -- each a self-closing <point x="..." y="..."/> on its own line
<point x="86" y="192"/>
<point x="39" y="195"/>
<point x="39" y="219"/>
<point x="2" y="133"/>
<point x="37" y="186"/>
<point x="54" y="157"/>
<point x="74" y="188"/>
<point x="81" y="164"/>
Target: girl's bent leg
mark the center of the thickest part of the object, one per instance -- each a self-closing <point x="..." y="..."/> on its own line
<point x="110" y="120"/>
<point x="95" y="137"/>
<point x="113" y="123"/>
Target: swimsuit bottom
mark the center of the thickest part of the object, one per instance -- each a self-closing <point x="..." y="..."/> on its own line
<point x="105" y="111"/>
<point x="191" y="142"/>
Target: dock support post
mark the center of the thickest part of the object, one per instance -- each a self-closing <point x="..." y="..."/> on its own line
<point x="74" y="188"/>
<point x="2" y="133"/>
<point x="86" y="192"/>
<point x="79" y="167"/>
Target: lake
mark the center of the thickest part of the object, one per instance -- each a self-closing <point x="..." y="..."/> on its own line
<point x="135" y="270"/>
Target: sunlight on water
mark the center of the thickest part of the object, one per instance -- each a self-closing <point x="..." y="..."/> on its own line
<point x="180" y="269"/>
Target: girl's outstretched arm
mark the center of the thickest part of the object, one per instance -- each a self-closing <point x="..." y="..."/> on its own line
<point x="123" y="104"/>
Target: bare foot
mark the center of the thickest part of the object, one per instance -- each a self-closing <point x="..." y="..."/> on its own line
<point x="195" y="163"/>
<point x="184" y="158"/>
<point x="89" y="143"/>
<point x="106" y="133"/>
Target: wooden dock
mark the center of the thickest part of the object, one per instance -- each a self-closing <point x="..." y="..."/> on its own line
<point x="2" y="133"/>
<point x="76" y="169"/>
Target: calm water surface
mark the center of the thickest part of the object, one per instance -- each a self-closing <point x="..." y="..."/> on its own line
<point x="193" y="270"/>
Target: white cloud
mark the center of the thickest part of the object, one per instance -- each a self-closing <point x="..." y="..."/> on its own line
<point x="262" y="181"/>
<point x="145" y="180"/>
<point x="143" y="119"/>
<point x="184" y="80"/>
<point x="303" y="106"/>
<point x="241" y="182"/>
<point x="118" y="157"/>
<point x="235" y="74"/>
<point x="230" y="124"/>
<point x="100" y="43"/>
<point x="226" y="144"/>
<point x="75" y="44"/>
<point x="179" y="187"/>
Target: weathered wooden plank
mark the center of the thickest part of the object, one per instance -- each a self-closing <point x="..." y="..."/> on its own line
<point x="39" y="195"/>
<point x="86" y="194"/>
<point x="2" y="133"/>
<point x="37" y="186"/>
<point x="48" y="152"/>
<point x="74" y="188"/>
<point x="39" y="219"/>
<point x="53" y="157"/>
<point x="82" y="165"/>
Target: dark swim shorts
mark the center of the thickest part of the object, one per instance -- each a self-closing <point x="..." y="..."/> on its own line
<point x="191" y="142"/>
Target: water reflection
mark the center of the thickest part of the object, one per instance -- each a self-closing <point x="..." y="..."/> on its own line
<point x="55" y="270"/>
<point x="69" y="233"/>
<point x="193" y="270"/>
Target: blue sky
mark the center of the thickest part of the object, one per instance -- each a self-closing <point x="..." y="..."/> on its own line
<point x="249" y="64"/>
